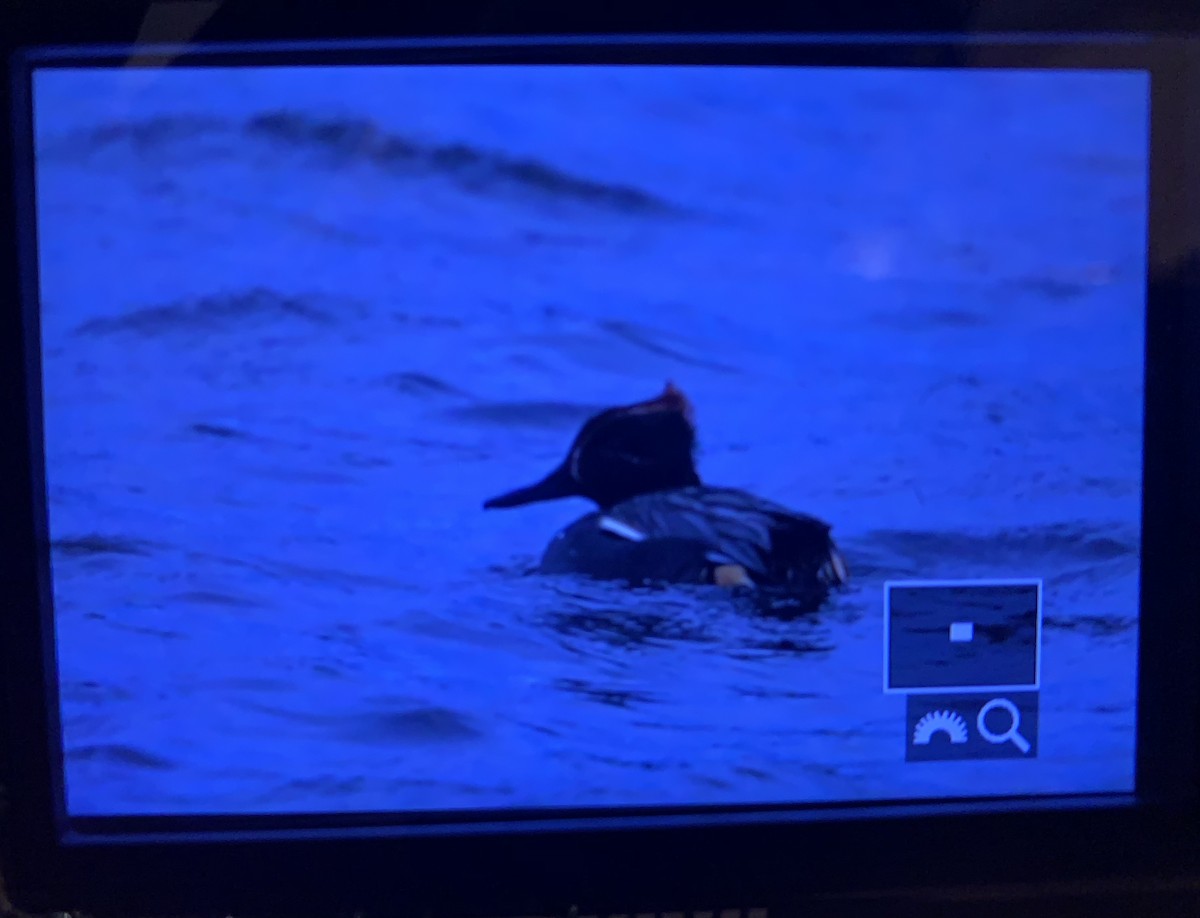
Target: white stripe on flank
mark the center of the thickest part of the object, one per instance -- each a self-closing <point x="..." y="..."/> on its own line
<point x="624" y="530"/>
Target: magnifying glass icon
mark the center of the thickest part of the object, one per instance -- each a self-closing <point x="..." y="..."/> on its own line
<point x="1012" y="734"/>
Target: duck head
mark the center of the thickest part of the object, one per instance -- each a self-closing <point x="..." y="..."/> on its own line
<point x="621" y="453"/>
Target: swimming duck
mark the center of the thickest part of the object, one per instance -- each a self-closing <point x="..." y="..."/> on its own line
<point x="656" y="521"/>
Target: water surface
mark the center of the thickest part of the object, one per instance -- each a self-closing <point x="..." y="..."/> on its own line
<point x="298" y="325"/>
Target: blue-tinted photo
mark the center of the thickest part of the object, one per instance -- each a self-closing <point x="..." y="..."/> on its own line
<point x="477" y="438"/>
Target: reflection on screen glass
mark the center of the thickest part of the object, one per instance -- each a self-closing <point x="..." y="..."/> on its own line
<point x="481" y="438"/>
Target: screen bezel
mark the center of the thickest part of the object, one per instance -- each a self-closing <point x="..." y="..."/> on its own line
<point x="549" y="859"/>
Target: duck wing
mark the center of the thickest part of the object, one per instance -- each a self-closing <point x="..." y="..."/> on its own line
<point x="772" y="542"/>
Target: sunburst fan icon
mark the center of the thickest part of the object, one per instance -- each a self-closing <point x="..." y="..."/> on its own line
<point x="949" y="722"/>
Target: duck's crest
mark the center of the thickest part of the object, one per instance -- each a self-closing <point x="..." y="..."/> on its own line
<point x="671" y="399"/>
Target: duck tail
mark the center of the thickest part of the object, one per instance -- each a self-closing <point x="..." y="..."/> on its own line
<point x="834" y="571"/>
